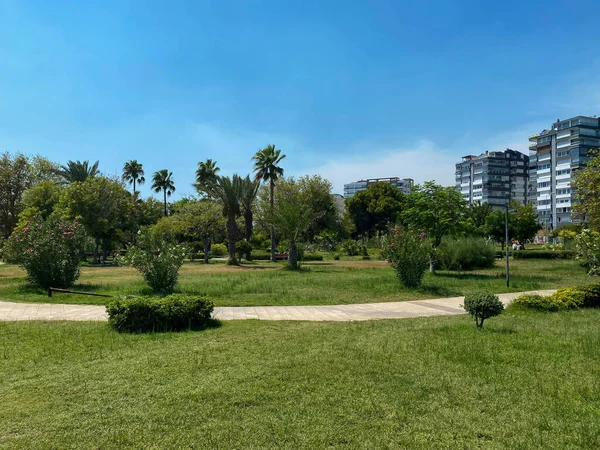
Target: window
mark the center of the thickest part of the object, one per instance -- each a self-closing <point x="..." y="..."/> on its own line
<point x="563" y="172"/>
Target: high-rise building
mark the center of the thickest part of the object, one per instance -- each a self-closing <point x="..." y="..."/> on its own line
<point x="555" y="155"/>
<point x="404" y="184"/>
<point x="493" y="177"/>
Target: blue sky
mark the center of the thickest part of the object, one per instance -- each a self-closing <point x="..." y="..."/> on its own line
<point x="346" y="89"/>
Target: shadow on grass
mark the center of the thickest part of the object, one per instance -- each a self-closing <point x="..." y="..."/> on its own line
<point x="495" y="276"/>
<point x="211" y="324"/>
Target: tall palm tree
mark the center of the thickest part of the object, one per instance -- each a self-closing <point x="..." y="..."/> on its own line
<point x="162" y="180"/>
<point x="249" y="190"/>
<point x="133" y="172"/>
<point x="77" y="171"/>
<point x="266" y="168"/>
<point x="228" y="192"/>
<point x="206" y="176"/>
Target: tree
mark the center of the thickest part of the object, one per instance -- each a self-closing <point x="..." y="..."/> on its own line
<point x="586" y="186"/>
<point x="495" y="226"/>
<point x="436" y="210"/>
<point x="228" y="191"/>
<point x="475" y="217"/>
<point x="99" y="204"/>
<point x="77" y="171"/>
<point x="375" y="209"/>
<point x="40" y="200"/>
<point x="15" y="179"/>
<point x="267" y="169"/>
<point x="162" y="180"/>
<point x="294" y="214"/>
<point x="133" y="172"/>
<point x="249" y="191"/>
<point x="526" y="223"/>
<point x="206" y="176"/>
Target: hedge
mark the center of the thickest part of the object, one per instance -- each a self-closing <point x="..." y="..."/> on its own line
<point x="260" y="256"/>
<point x="543" y="254"/>
<point x="565" y="298"/>
<point x="172" y="313"/>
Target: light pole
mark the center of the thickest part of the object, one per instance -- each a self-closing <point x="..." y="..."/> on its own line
<point x="506" y="233"/>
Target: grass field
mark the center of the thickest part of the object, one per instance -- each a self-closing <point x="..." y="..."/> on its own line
<point x="529" y="380"/>
<point x="330" y="282"/>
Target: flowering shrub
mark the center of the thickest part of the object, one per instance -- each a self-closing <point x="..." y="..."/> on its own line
<point x="408" y="254"/>
<point x="49" y="250"/>
<point x="588" y="248"/>
<point x="157" y="259"/>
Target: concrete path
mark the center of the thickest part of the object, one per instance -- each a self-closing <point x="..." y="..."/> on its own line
<point x="369" y="311"/>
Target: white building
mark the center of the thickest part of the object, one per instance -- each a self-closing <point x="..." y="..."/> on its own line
<point x="404" y="184"/>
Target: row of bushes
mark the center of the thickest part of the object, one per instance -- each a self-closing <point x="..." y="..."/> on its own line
<point x="587" y="296"/>
<point x="172" y="313"/>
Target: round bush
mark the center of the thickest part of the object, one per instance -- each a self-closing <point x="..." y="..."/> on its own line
<point x="482" y="306"/>
<point x="49" y="250"/>
<point x="218" y="250"/>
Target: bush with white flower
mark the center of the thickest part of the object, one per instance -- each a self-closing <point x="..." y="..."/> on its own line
<point x="157" y="259"/>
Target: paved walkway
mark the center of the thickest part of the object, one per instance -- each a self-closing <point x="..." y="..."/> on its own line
<point x="369" y="311"/>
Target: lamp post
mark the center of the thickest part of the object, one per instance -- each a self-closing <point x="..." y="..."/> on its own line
<point x="506" y="233"/>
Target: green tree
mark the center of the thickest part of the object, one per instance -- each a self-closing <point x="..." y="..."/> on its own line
<point x="206" y="176"/>
<point x="249" y="191"/>
<point x="375" y="209"/>
<point x="228" y="192"/>
<point x="526" y="223"/>
<point x="40" y="200"/>
<point x="586" y="186"/>
<point x="436" y="210"/>
<point x="133" y="172"/>
<point x="77" y="171"/>
<point x="267" y="168"/>
<point x="495" y="226"/>
<point x="15" y="179"/>
<point x="99" y="204"/>
<point x="162" y="180"/>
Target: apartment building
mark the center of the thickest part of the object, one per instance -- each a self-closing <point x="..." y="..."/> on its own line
<point x="555" y="156"/>
<point x="493" y="177"/>
<point x="404" y="184"/>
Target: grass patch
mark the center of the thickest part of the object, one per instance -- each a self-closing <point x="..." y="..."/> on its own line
<point x="318" y="283"/>
<point x="529" y="380"/>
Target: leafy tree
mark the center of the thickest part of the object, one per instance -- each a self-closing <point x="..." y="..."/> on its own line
<point x="375" y="209"/>
<point x="526" y="223"/>
<point x="267" y="169"/>
<point x="162" y="180"/>
<point x="77" y="171"/>
<point x="43" y="169"/>
<point x="475" y="217"/>
<point x="99" y="204"/>
<point x="228" y="192"/>
<point x="40" y="200"/>
<point x="586" y="184"/>
<point x="249" y="191"/>
<point x="206" y="176"/>
<point x="436" y="210"/>
<point x="495" y="226"/>
<point x="133" y="172"/>
<point x="317" y="191"/>
<point x="15" y="179"/>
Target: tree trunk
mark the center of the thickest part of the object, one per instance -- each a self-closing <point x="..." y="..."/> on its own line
<point x="432" y="260"/>
<point x="206" y="243"/>
<point x="293" y="255"/>
<point x="105" y="242"/>
<point x="248" y="222"/>
<point x="95" y="259"/>
<point x="165" y="201"/>
<point x="134" y="186"/>
<point x="231" y="235"/>
<point x="272" y="201"/>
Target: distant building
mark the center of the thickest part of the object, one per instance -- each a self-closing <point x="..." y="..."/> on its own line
<point x="493" y="177"/>
<point x="555" y="156"/>
<point x="340" y="204"/>
<point x="404" y="184"/>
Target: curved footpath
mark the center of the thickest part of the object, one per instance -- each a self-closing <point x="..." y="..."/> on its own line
<point x="11" y="311"/>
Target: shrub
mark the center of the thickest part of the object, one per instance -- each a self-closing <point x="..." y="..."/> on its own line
<point x="49" y="250"/>
<point x="243" y="249"/>
<point x="482" y="306"/>
<point x="366" y="258"/>
<point x="465" y="254"/>
<point x="538" y="302"/>
<point x="157" y="259"/>
<point x="350" y="247"/>
<point x="218" y="250"/>
<point x="566" y="298"/>
<point x="336" y="256"/>
<point x="261" y="255"/>
<point x="588" y="249"/>
<point x="173" y="313"/>
<point x="313" y="256"/>
<point x="543" y="254"/>
<point x="591" y="295"/>
<point x="408" y="255"/>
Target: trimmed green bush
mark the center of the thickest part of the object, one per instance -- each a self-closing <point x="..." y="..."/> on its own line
<point x="465" y="254"/>
<point x="569" y="298"/>
<point x="172" y="313"/>
<point x="336" y="256"/>
<point x="218" y="250"/>
<point x="538" y="302"/>
<point x="544" y="254"/>
<point x="482" y="306"/>
<point x="313" y="256"/>
<point x="591" y="295"/>
<point x="563" y="299"/>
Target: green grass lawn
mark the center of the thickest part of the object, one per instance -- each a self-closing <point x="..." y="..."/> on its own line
<point x="529" y="380"/>
<point x="330" y="282"/>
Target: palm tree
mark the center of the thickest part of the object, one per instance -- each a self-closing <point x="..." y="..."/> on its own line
<point x="266" y="168"/>
<point x="228" y="192"/>
<point x="249" y="190"/>
<point x="206" y="176"/>
<point x="133" y="172"/>
<point x="77" y="171"/>
<point x="162" y="180"/>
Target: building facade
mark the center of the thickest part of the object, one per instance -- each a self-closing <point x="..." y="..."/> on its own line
<point x="404" y="184"/>
<point x="493" y="177"/>
<point x="555" y="156"/>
